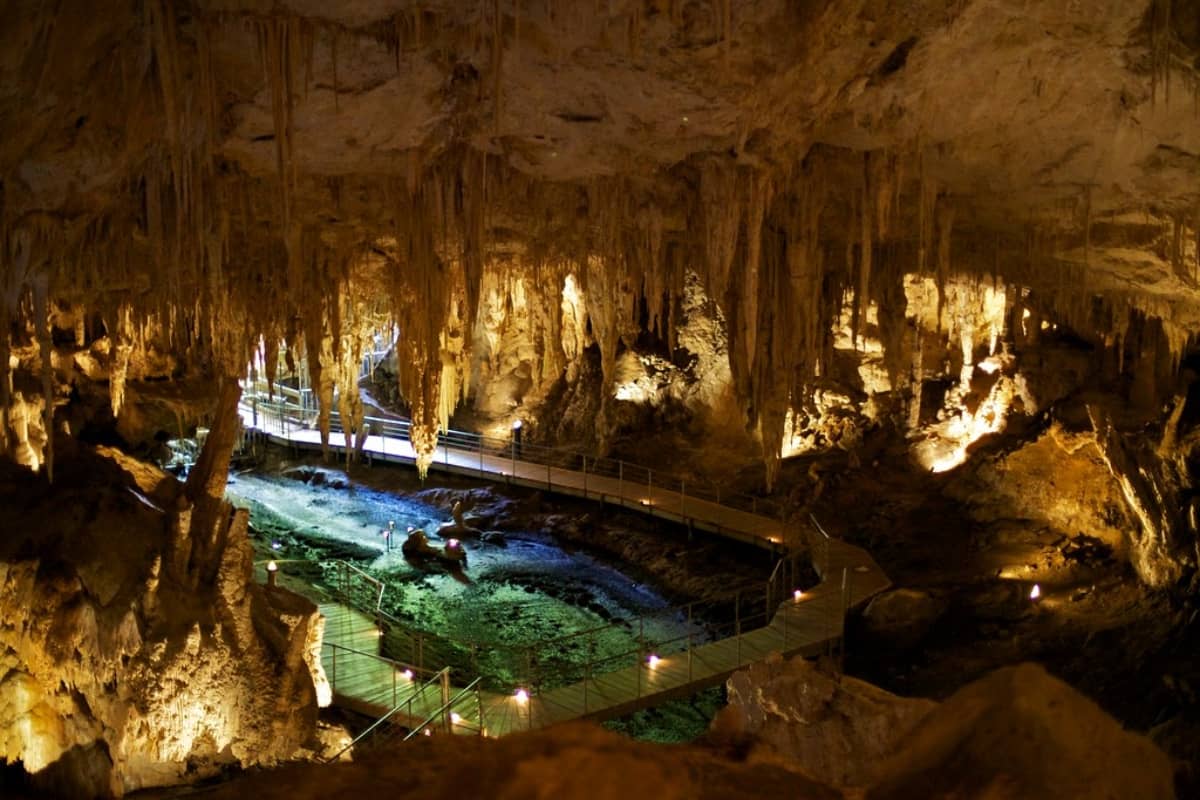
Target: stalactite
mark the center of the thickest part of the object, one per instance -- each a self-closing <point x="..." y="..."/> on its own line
<point x="121" y="352"/>
<point x="5" y="369"/>
<point x="927" y="217"/>
<point x="1161" y="45"/>
<point x="759" y="190"/>
<point x="333" y="55"/>
<point x="721" y="216"/>
<point x="945" y="226"/>
<point x="497" y="64"/>
<point x="41" y="312"/>
<point x="868" y="212"/>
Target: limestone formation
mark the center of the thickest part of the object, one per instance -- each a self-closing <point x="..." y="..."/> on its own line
<point x="780" y="228"/>
<point x="274" y="163"/>
<point x="834" y="728"/>
<point x="1021" y="733"/>
<point x="126" y="662"/>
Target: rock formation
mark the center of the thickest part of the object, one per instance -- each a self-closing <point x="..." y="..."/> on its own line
<point x="132" y="654"/>
<point x="1017" y="733"/>
<point x="1020" y="732"/>
<point x="834" y="728"/>
<point x="779" y="227"/>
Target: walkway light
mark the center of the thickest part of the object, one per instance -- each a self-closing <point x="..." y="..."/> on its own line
<point x="455" y="718"/>
<point x="797" y="595"/>
<point x="407" y="674"/>
<point x="521" y="696"/>
<point x="1035" y="593"/>
<point x="272" y="569"/>
<point x="652" y="661"/>
<point x="516" y="443"/>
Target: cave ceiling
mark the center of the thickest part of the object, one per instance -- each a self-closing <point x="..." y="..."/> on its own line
<point x="217" y="168"/>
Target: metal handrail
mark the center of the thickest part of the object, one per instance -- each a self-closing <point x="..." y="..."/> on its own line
<point x="446" y="706"/>
<point x="401" y="665"/>
<point x="645" y="613"/>
<point x="542" y="455"/>
<point x="347" y="567"/>
<point x="371" y="728"/>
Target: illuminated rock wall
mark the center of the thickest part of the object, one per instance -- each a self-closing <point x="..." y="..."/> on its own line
<point x="119" y="671"/>
<point x="220" y="180"/>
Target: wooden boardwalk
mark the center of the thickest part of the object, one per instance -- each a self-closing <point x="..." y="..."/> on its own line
<point x="365" y="681"/>
<point x="475" y="460"/>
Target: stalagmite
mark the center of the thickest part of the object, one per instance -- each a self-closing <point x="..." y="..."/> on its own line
<point x="209" y="525"/>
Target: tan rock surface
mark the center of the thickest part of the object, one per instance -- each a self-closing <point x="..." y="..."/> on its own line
<point x="834" y="728"/>
<point x="1021" y="733"/>
<point x="114" y="674"/>
<point x="572" y="762"/>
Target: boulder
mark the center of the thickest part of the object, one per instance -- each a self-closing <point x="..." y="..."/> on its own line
<point x="575" y="761"/>
<point x="834" y="728"/>
<point x="1022" y="733"/>
<point x="902" y="617"/>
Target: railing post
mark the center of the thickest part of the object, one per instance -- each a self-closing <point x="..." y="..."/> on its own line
<point x="479" y="704"/>
<point x="446" y="699"/>
<point x="641" y="653"/>
<point x="785" y="629"/>
<point x="585" y="493"/>
<point x="333" y="688"/>
<point x="690" y="650"/>
<point x="393" y="687"/>
<point x="587" y="667"/>
<point x="621" y="481"/>
<point x="549" y="485"/>
<point x="480" y="442"/>
<point x="846" y="578"/>
<point x="682" y="494"/>
<point x="737" y="624"/>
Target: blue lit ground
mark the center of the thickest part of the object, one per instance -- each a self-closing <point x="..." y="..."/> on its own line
<point x="530" y="591"/>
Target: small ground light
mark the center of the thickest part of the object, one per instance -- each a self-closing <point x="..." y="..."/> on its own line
<point x="521" y="696"/>
<point x="652" y="661"/>
<point x="1035" y="592"/>
<point x="407" y="674"/>
<point x="272" y="568"/>
<point x="275" y="545"/>
<point x="455" y="718"/>
<point x="797" y="595"/>
<point x="428" y="732"/>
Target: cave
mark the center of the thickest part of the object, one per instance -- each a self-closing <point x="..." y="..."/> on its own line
<point x="465" y="399"/>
